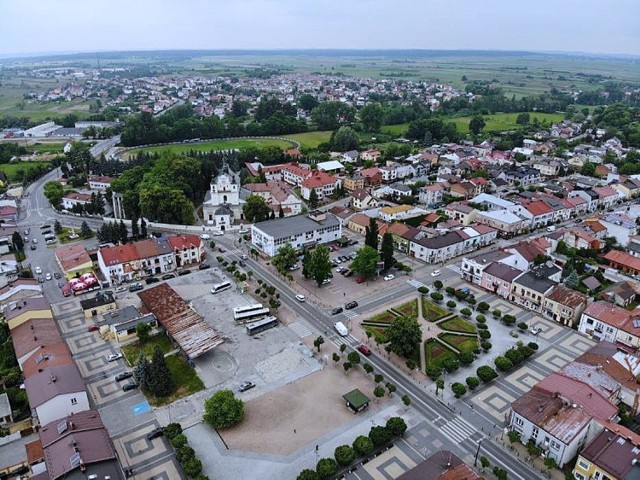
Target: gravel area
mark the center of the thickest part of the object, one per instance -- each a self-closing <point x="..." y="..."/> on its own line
<point x="280" y="365"/>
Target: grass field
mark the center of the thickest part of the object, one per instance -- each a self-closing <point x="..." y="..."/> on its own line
<point x="384" y="317"/>
<point x="435" y="353"/>
<point x="57" y="147"/>
<point x="215" y="145"/>
<point x="132" y="351"/>
<point x="456" y="324"/>
<point x="15" y="170"/>
<point x="505" y="121"/>
<point x="460" y="342"/>
<point x="378" y="333"/>
<point x="184" y="377"/>
<point x="397" y="130"/>
<point x="310" y="139"/>
<point x="432" y="312"/>
<point x="409" y="309"/>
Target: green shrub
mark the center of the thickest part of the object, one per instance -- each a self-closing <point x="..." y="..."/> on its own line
<point x="484" y="334"/>
<point x="344" y="455"/>
<point x="433" y="371"/>
<point x="466" y="312"/>
<point x="483" y="307"/>
<point x="466" y="358"/>
<point x="451" y="304"/>
<point x="380" y="435"/>
<point x="497" y="313"/>
<point x="472" y="382"/>
<point x="179" y="441"/>
<point x="532" y="346"/>
<point x="486" y="373"/>
<point x="396" y="426"/>
<point x="362" y="445"/>
<point x="486" y="345"/>
<point x="503" y="364"/>
<point x="523" y="326"/>
<point x="450" y="290"/>
<point x="481" y="318"/>
<point x="458" y="389"/>
<point x="172" y="430"/>
<point x="482" y="326"/>
<point x="326" y="467"/>
<point x="185" y="453"/>
<point x="509" y="320"/>
<point x="411" y="364"/>
<point x="192" y="467"/>
<point x="423" y="290"/>
<point x="514" y="356"/>
<point x="436" y="297"/>
<point x="308" y="474"/>
<point x="451" y="364"/>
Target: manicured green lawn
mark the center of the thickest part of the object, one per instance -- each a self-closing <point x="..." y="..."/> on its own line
<point x="431" y="311"/>
<point x="435" y="353"/>
<point x="132" y="351"/>
<point x="310" y="139"/>
<point x="15" y="170"/>
<point x="46" y="147"/>
<point x="377" y="333"/>
<point x="457" y="324"/>
<point x="460" y="342"/>
<point x="63" y="236"/>
<point x="505" y="121"/>
<point x="216" y="145"/>
<point x="184" y="377"/>
<point x="396" y="130"/>
<point x="409" y="309"/>
<point x="384" y="317"/>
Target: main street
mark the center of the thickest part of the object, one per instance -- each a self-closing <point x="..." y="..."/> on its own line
<point x="434" y="411"/>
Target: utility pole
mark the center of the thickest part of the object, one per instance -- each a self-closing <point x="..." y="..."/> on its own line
<point x="475" y="460"/>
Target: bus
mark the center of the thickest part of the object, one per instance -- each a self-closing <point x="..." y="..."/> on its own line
<point x="249" y="312"/>
<point x="261" y="325"/>
<point x="219" y="287"/>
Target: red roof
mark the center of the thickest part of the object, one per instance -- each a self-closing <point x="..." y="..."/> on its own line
<point x="607" y="313"/>
<point x="118" y="254"/>
<point x="319" y="179"/>
<point x="623" y="259"/>
<point x="182" y="242"/>
<point x="538" y="208"/>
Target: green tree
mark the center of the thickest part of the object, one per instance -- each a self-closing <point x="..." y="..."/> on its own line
<point x="142" y="372"/>
<point x="192" y="467"/>
<point x="503" y="364"/>
<point x="371" y="117"/>
<point x="313" y="199"/>
<point x="85" y="231"/>
<point x="486" y="373"/>
<point x="223" y="410"/>
<point x="365" y="262"/>
<point x="57" y="227"/>
<point x="326" y="467"/>
<point x="329" y="115"/>
<point x="439" y="385"/>
<point x="143" y="329"/>
<point x="344" y="455"/>
<point x="458" y="389"/>
<point x="308" y="474"/>
<point x="354" y="358"/>
<point x="380" y="435"/>
<point x="280" y="212"/>
<point x="523" y="118"/>
<point x="588" y="169"/>
<point x="386" y="251"/>
<point x="318" y="342"/>
<point x="286" y="258"/>
<point x="367" y="368"/>
<point x="54" y="193"/>
<point x="345" y="139"/>
<point x="363" y="445"/>
<point x="406" y="400"/>
<point x="18" y="242"/>
<point x="256" y="209"/>
<point x="320" y="264"/>
<point x="572" y="281"/>
<point x="397" y="426"/>
<point x="307" y="102"/>
<point x="123" y="234"/>
<point x="476" y="124"/>
<point x="371" y="234"/>
<point x="160" y="381"/>
<point x="404" y="335"/>
<point x="472" y="382"/>
<point x="378" y="391"/>
<point x="135" y="229"/>
<point x="143" y="228"/>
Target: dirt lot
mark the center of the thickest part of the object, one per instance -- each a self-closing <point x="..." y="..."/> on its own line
<point x="282" y="421"/>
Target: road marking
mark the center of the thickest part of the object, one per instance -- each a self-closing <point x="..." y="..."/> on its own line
<point x="349" y="341"/>
<point x="350" y="314"/>
<point x="416" y="283"/>
<point x="300" y="329"/>
<point x="457" y="429"/>
<point x="454" y="267"/>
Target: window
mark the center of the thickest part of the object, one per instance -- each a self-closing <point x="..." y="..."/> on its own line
<point x="534" y="433"/>
<point x="519" y="421"/>
<point x="584" y="465"/>
<point x="74" y="401"/>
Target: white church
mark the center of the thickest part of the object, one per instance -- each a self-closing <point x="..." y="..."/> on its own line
<point x="222" y="204"/>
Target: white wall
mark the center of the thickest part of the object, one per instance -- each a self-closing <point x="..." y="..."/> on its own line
<point x="61" y="406"/>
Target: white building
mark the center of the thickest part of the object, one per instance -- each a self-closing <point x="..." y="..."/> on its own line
<point x="224" y="192"/>
<point x="300" y="232"/>
<point x="74" y="198"/>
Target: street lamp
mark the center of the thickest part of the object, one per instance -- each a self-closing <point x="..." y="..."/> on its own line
<point x="475" y="461"/>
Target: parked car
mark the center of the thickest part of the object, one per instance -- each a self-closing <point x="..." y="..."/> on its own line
<point x="60" y="284"/>
<point x="351" y="305"/>
<point x="34" y="240"/>
<point x="32" y="247"/>
<point x="535" y="330"/>
<point x="40" y="280"/>
<point x="203" y="266"/>
<point x="326" y="281"/>
<point x="121" y="289"/>
<point x="436" y="273"/>
<point x="45" y="227"/>
<point x="242" y="231"/>
<point x="93" y="328"/>
<point x="27" y="231"/>
<point x="391" y="276"/>
<point x="578" y="220"/>
<point x="114" y="356"/>
<point x="364" y="349"/>
<point x="123" y="376"/>
<point x="246" y="386"/>
<point x="168" y="276"/>
<point x="155" y="433"/>
<point x="336" y="311"/>
<point x="352" y="242"/>
<point x="293" y="268"/>
<point x="184" y="272"/>
<point x="300" y="297"/>
<point x="221" y="250"/>
<point x="57" y="275"/>
<point x="38" y="270"/>
<point x="353" y="255"/>
<point x="135" y="287"/>
<point x="337" y="260"/>
<point x="344" y="258"/>
<point x="205" y="236"/>
<point x="48" y="276"/>
<point x="341" y="329"/>
<point x="151" y="280"/>
<point x="218" y="233"/>
<point x="129" y="386"/>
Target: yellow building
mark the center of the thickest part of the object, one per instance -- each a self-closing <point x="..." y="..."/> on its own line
<point x="73" y="260"/>
<point x="98" y="305"/>
<point x="25" y="309"/>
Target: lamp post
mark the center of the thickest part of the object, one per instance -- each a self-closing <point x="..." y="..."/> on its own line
<point x="475" y="460"/>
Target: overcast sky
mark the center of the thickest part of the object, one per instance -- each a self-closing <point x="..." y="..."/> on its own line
<point x="37" y="26"/>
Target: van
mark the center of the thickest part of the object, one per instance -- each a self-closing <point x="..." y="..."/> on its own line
<point x="219" y="287"/>
<point x="551" y="228"/>
<point x="341" y="329"/>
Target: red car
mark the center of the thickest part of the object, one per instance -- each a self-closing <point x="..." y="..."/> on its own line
<point x="93" y="328"/>
<point x="361" y="280"/>
<point x="221" y="249"/>
<point x="363" y="349"/>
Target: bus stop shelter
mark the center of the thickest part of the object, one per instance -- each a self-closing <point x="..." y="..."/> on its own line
<point x="356" y="400"/>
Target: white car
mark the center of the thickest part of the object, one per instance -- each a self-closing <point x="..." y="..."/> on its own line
<point x="218" y="233"/>
<point x="435" y="273"/>
<point x="38" y="270"/>
<point x="389" y="277"/>
<point x="205" y="236"/>
<point x="536" y="330"/>
<point x="300" y="297"/>
<point x="47" y="276"/>
<point x="114" y="356"/>
<point x="242" y="231"/>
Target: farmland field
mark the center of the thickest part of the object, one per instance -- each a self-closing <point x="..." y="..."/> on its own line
<point x="13" y="170"/>
<point x="505" y="121"/>
<point x="215" y="145"/>
<point x="310" y="139"/>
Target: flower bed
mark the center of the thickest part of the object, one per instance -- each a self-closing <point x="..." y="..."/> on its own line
<point x="384" y="317"/>
<point x="377" y="333"/>
<point x="409" y="309"/>
<point x="462" y="343"/>
<point x="432" y="312"/>
<point x="457" y="324"/>
<point x="435" y="353"/>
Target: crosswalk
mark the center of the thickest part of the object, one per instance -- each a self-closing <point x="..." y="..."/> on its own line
<point x="454" y="267"/>
<point x="349" y="340"/>
<point x="416" y="283"/>
<point x="300" y="329"/>
<point x="350" y="314"/>
<point x="457" y="429"/>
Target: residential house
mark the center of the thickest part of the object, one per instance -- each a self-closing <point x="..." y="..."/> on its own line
<point x="72" y="199"/>
<point x="25" y="309"/>
<point x="498" y="278"/>
<point x="372" y="176"/>
<point x="323" y="183"/>
<point x="613" y="454"/>
<point x="605" y="321"/>
<point x="541" y="213"/>
<point x="560" y="414"/>
<point x="389" y="174"/>
<point x="622" y="293"/>
<point x="187" y="249"/>
<point x="405" y="171"/>
<point x="361" y="199"/>
<point x="530" y="289"/>
<point x="358" y="222"/>
<point x="580" y="239"/>
<point x="523" y="255"/>
<point x="507" y="223"/>
<point x="431" y="195"/>
<point x="441" y="465"/>
<point x="402" y="235"/>
<point x="547" y="167"/>
<point x="607" y="196"/>
<point x="633" y="247"/>
<point x="437" y="249"/>
<point x="629" y="188"/>
<point x="491" y="202"/>
<point x="351" y="156"/>
<point x="100" y="183"/>
<point x="370" y="155"/>
<point x="465" y="190"/>
<point x="623" y="261"/>
<point x="73" y="260"/>
<point x="399" y="190"/>
<point x="564" y="305"/>
<point x="472" y="268"/>
<point x="32" y="336"/>
<point x="580" y="204"/>
<point x="400" y="212"/>
<point x="589" y="195"/>
<point x="98" y="305"/>
<point x="278" y="195"/>
<point x="294" y="174"/>
<point x="332" y="166"/>
<point x="461" y="212"/>
<point x="122" y="323"/>
<point x="354" y="182"/>
<point x="55" y="392"/>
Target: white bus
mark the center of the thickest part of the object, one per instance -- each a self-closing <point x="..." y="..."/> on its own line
<point x="250" y="312"/>
<point x="219" y="287"/>
<point x="261" y="325"/>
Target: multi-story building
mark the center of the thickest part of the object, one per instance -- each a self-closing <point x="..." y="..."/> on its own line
<point x="300" y="232"/>
<point x="324" y="184"/>
<point x="361" y="199"/>
<point x="507" y="223"/>
<point x="72" y="199"/>
<point x="564" y="305"/>
<point x="100" y="183"/>
<point x="530" y="289"/>
<point x="605" y="321"/>
<point x="498" y="278"/>
<point x="187" y="250"/>
<point x="613" y="454"/>
<point x="431" y="195"/>
<point x="472" y="267"/>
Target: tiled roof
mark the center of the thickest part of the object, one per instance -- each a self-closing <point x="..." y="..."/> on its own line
<point x="33" y="334"/>
<point x="502" y="271"/>
<point x="72" y="256"/>
<point x="624" y="259"/>
<point x="318" y="178"/>
<point x="26" y="304"/>
<point x="567" y="296"/>
<point x="607" y="313"/>
<point x="441" y="241"/>
<point x="118" y="254"/>
<point x="615" y="449"/>
<point x="528" y="250"/>
<point x="41" y="386"/>
<point x="81" y="197"/>
<point x="538" y="208"/>
<point x="181" y="242"/>
<point x="51" y="355"/>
